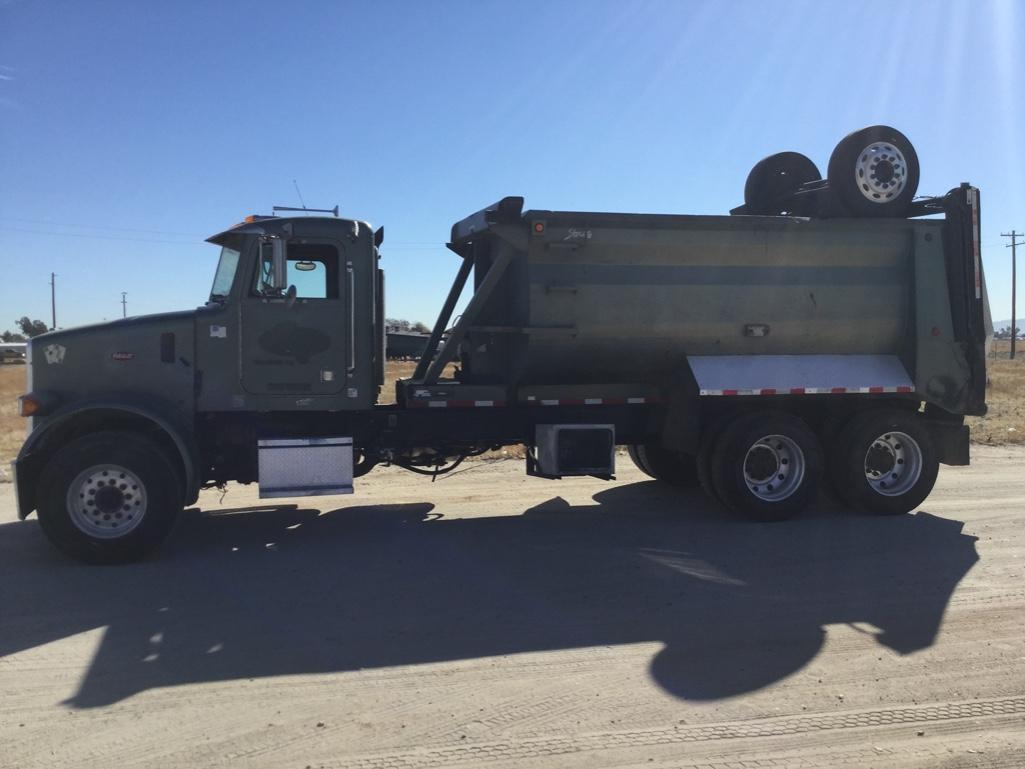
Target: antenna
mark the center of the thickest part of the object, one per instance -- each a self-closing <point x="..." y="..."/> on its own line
<point x="296" y="185"/>
<point x="333" y="211"/>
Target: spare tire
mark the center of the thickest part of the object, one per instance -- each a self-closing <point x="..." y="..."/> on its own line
<point x="773" y="181"/>
<point x="874" y="172"/>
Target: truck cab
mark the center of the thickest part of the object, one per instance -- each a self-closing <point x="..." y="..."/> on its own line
<point x="295" y="318"/>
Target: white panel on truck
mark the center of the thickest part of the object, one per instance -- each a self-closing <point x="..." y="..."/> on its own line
<point x="305" y="467"/>
<point x="799" y="374"/>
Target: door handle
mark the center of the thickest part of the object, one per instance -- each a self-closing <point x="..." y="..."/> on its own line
<point x="351" y="275"/>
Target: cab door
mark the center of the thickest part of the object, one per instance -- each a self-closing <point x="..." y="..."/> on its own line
<point x="295" y="345"/>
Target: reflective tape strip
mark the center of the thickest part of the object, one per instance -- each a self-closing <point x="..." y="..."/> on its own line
<point x="441" y="404"/>
<point x="454" y="404"/>
<point x="973" y="201"/>
<point x="531" y="401"/>
<point x="813" y="391"/>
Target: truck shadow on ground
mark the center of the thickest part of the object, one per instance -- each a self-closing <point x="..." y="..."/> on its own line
<point x="283" y="590"/>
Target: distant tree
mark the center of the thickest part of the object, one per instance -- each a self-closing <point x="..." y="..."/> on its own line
<point x="10" y="336"/>
<point x="31" y="328"/>
<point x="419" y="328"/>
<point x="395" y="324"/>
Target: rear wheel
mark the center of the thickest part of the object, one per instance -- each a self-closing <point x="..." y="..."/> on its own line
<point x="766" y="466"/>
<point x="884" y="462"/>
<point x="109" y="497"/>
<point x="710" y="435"/>
<point x="664" y="465"/>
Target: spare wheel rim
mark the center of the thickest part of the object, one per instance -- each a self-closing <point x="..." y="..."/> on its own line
<point x="881" y="172"/>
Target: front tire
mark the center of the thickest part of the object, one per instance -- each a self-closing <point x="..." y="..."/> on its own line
<point x="109" y="497"/>
<point x="884" y="462"/>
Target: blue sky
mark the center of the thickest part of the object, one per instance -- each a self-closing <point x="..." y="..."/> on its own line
<point x="129" y="131"/>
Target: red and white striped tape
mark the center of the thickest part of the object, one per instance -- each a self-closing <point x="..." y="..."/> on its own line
<point x="454" y="404"/>
<point x="531" y="401"/>
<point x="813" y="391"/>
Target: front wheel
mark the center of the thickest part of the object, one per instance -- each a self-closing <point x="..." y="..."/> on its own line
<point x="884" y="462"/>
<point x="108" y="497"/>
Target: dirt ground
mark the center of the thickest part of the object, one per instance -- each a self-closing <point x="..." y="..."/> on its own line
<point x="495" y="620"/>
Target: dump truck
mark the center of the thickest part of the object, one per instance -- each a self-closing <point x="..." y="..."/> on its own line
<point x="797" y="343"/>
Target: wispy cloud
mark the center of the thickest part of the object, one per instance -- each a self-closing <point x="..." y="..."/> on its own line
<point x="7" y="75"/>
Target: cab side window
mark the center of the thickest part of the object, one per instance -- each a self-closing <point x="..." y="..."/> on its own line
<point x="311" y="268"/>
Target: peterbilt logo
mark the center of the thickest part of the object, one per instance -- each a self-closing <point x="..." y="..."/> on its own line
<point x="54" y="353"/>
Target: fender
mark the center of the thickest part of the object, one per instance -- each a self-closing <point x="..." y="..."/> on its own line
<point x="160" y="413"/>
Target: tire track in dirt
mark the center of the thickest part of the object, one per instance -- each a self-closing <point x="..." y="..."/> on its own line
<point x="535" y="748"/>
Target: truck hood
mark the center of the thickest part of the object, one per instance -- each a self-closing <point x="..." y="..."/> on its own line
<point x="149" y="354"/>
<point x="114" y="328"/>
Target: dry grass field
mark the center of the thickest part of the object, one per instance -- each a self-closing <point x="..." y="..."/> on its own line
<point x="12" y="426"/>
<point x="1004" y="424"/>
<point x="1005" y="396"/>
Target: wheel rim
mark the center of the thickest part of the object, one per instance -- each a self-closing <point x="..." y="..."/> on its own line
<point x="774" y="468"/>
<point x="106" y="501"/>
<point x="893" y="464"/>
<point x="881" y="172"/>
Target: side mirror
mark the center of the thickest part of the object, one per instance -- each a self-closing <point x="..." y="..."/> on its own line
<point x="379" y="236"/>
<point x="272" y="250"/>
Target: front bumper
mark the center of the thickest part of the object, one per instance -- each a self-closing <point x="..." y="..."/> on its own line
<point x="23" y="474"/>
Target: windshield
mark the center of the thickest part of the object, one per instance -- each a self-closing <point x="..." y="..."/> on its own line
<point x="226" y="267"/>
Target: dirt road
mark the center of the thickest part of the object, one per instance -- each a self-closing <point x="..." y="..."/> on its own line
<point x="493" y="620"/>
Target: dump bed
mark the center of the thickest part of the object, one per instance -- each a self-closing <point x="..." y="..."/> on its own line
<point x="581" y="297"/>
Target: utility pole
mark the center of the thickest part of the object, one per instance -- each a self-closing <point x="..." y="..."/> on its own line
<point x="53" y="300"/>
<point x="1013" y="235"/>
<point x="124" y="304"/>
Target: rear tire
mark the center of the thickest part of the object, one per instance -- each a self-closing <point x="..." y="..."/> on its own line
<point x="884" y="462"/>
<point x="109" y="497"/>
<point x="766" y="466"/>
<point x="874" y="172"/>
<point x="710" y="435"/>
<point x="664" y="465"/>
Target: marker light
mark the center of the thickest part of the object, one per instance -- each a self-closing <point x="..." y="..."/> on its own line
<point x="28" y="405"/>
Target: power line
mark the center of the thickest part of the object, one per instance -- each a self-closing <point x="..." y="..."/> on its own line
<point x="97" y="226"/>
<point x="97" y="237"/>
<point x="398" y="245"/>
